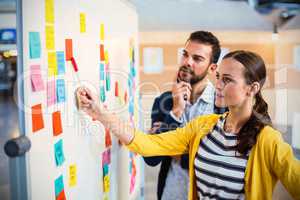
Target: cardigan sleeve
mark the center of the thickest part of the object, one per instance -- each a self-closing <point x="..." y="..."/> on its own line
<point x="284" y="164"/>
<point x="171" y="143"/>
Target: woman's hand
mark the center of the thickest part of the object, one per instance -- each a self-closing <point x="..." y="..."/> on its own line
<point x="87" y="102"/>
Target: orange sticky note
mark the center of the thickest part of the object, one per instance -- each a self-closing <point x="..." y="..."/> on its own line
<point x="102" y="54"/>
<point x="37" y="118"/>
<point x="56" y="123"/>
<point x="108" y="142"/>
<point x="116" y="89"/>
<point x="69" y="49"/>
<point x="61" y="195"/>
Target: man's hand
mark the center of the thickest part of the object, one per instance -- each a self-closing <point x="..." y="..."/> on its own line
<point x="180" y="90"/>
<point x="155" y="127"/>
<point x="86" y="101"/>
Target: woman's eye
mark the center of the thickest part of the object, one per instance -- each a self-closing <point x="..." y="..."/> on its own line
<point x="226" y="80"/>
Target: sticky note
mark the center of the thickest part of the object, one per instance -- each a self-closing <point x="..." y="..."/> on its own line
<point x="106" y="157"/>
<point x="51" y="93"/>
<point x="60" y="90"/>
<point x="34" y="45"/>
<point x="102" y="93"/>
<point x="50" y="45"/>
<point x="49" y="11"/>
<point x="60" y="58"/>
<point x="59" y="185"/>
<point x="107" y="81"/>
<point x="61" y="196"/>
<point x="131" y="107"/>
<point x="102" y="32"/>
<point x="102" y="72"/>
<point x="116" y="89"/>
<point x="82" y="23"/>
<point x="132" y="71"/>
<point x="106" y="57"/>
<point x="52" y="64"/>
<point x="37" y="83"/>
<point x="72" y="175"/>
<point x="108" y="142"/>
<point x="59" y="153"/>
<point x="37" y="117"/>
<point x="106" y="184"/>
<point x="56" y="123"/>
<point x="125" y="97"/>
<point x="69" y="49"/>
<point x="102" y="54"/>
<point x="132" y="184"/>
<point x="105" y="170"/>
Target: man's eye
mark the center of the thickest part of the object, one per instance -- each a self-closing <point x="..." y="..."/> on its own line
<point x="196" y="59"/>
<point x="217" y="76"/>
<point x="226" y="80"/>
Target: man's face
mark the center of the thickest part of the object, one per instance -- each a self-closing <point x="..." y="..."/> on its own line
<point x="197" y="57"/>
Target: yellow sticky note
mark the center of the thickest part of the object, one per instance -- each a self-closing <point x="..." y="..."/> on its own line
<point x="106" y="184"/>
<point x="82" y="23"/>
<point x="130" y="54"/>
<point x="102" y="32"/>
<point x="106" y="57"/>
<point x="50" y="37"/>
<point x="49" y="11"/>
<point x="52" y="64"/>
<point x="72" y="175"/>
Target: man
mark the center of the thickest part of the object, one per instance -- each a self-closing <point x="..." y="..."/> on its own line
<point x="191" y="96"/>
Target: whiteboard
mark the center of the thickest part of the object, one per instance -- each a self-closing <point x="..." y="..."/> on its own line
<point x="83" y="140"/>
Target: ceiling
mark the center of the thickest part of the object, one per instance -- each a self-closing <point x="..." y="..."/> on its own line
<point x="182" y="15"/>
<point x="187" y="15"/>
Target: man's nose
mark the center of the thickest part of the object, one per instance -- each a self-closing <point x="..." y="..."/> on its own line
<point x="188" y="61"/>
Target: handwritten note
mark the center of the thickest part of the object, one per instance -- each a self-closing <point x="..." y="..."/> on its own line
<point x="72" y="175"/>
<point x="60" y="57"/>
<point x="51" y="93"/>
<point x="102" y="72"/>
<point x="34" y="45"/>
<point x="50" y="42"/>
<point x="37" y="83"/>
<point x="60" y="90"/>
<point x="106" y="157"/>
<point x="52" y="64"/>
<point x="49" y="11"/>
<point x="59" y="153"/>
<point x="82" y="23"/>
<point x="69" y="49"/>
<point x="102" y="54"/>
<point x="59" y="185"/>
<point x="102" y="32"/>
<point x="37" y="117"/>
<point x="56" y="123"/>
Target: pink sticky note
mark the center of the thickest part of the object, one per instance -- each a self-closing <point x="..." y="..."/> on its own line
<point x="37" y="82"/>
<point x="106" y="157"/>
<point x="51" y="93"/>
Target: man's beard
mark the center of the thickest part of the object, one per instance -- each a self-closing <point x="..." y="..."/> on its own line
<point x="195" y="78"/>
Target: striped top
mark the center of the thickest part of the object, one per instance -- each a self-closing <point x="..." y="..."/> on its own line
<point x="219" y="169"/>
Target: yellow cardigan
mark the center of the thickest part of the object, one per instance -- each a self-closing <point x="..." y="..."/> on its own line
<point x="270" y="158"/>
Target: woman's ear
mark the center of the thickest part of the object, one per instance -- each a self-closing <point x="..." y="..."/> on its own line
<point x="255" y="87"/>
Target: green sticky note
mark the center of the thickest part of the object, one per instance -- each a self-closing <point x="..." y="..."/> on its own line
<point x="107" y="82"/>
<point x="59" y="153"/>
<point x="34" y="45"/>
<point x="105" y="170"/>
<point x="59" y="185"/>
<point x="102" y="94"/>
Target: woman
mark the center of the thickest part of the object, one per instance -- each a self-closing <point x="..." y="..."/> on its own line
<point x="237" y="155"/>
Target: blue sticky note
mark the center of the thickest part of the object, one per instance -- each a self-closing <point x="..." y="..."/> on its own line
<point x="102" y="94"/>
<point x="60" y="90"/>
<point x="60" y="59"/>
<point x="107" y="83"/>
<point x="131" y="107"/>
<point x="34" y="45"/>
<point x="102" y="71"/>
<point x="59" y="185"/>
<point x="105" y="170"/>
<point x="59" y="153"/>
<point x="132" y="71"/>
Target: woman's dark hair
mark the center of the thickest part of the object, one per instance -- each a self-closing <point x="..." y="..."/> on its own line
<point x="205" y="37"/>
<point x="255" y="71"/>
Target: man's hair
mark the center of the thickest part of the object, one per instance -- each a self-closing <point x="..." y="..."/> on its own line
<point x="205" y="37"/>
